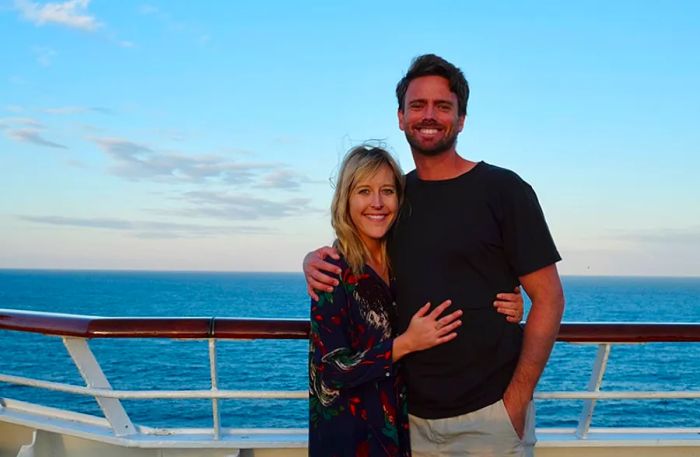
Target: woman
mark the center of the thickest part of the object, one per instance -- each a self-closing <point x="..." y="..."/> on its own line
<point x="357" y="399"/>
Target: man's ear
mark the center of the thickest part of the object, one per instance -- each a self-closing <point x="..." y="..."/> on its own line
<point x="401" y="119"/>
<point x="460" y="122"/>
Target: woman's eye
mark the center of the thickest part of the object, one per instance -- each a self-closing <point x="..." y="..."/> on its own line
<point x="363" y="191"/>
<point x="389" y="191"/>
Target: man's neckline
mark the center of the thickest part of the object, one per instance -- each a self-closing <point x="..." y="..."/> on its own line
<point x="477" y="166"/>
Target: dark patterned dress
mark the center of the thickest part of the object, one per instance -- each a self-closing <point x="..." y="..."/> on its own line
<point x="357" y="401"/>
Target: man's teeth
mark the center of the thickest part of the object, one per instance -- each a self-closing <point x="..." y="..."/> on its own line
<point x="428" y="131"/>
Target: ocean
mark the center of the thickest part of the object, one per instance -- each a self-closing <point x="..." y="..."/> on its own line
<point x="278" y="365"/>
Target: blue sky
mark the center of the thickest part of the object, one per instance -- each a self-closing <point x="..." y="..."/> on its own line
<point x="202" y="136"/>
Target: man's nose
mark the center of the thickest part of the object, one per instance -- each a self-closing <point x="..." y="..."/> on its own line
<point x="429" y="113"/>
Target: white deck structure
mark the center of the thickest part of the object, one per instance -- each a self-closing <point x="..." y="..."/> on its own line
<point x="33" y="430"/>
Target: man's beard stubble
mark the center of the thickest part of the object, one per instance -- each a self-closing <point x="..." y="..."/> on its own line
<point x="445" y="144"/>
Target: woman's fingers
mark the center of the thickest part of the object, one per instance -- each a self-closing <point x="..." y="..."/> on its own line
<point x="506" y="306"/>
<point x="423" y="310"/>
<point x="445" y="320"/>
<point x="437" y="312"/>
<point x="513" y="314"/>
<point x="511" y="298"/>
<point x="446" y="338"/>
<point x="448" y="328"/>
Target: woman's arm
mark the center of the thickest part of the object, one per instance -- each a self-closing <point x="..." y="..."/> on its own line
<point x="340" y="364"/>
<point x="427" y="330"/>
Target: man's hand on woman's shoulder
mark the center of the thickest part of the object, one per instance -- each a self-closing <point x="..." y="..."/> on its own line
<point x="317" y="270"/>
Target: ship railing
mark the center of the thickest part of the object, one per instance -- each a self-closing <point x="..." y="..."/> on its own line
<point x="77" y="330"/>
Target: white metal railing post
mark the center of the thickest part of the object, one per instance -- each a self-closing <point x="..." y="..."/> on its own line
<point x="94" y="377"/>
<point x="601" y="361"/>
<point x="214" y="388"/>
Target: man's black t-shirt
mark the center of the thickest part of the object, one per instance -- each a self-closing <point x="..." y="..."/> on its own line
<point x="466" y="239"/>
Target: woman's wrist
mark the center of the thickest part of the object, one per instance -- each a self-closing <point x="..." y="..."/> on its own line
<point x="401" y="347"/>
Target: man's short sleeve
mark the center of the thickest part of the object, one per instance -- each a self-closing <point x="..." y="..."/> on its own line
<point x="528" y="244"/>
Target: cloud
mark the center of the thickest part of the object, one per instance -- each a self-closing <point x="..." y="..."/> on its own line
<point x="137" y="161"/>
<point x="120" y="148"/>
<point x="33" y="136"/>
<point x="27" y="130"/>
<point x="71" y="13"/>
<point x="283" y="179"/>
<point x="70" y="110"/>
<point x="147" y="229"/>
<point x="242" y="206"/>
<point x="81" y="222"/>
<point x="10" y="122"/>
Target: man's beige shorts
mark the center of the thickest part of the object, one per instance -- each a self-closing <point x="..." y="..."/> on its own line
<point x="486" y="432"/>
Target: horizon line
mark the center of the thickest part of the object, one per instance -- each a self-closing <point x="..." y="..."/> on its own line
<point x="143" y="270"/>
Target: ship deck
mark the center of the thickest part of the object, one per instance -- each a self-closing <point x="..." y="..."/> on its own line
<point x="35" y="430"/>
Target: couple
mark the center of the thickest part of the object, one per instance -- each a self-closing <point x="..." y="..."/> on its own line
<point x="454" y="232"/>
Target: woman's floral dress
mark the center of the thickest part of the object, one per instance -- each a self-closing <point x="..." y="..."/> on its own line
<point x="357" y="401"/>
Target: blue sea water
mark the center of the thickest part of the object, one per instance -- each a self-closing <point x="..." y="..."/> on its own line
<point x="278" y="365"/>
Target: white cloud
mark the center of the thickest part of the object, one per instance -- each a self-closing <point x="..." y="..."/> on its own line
<point x="8" y="122"/>
<point x="283" y="179"/>
<point x="137" y="161"/>
<point x="236" y="206"/>
<point x="146" y="229"/>
<point x="67" y="110"/>
<point x="33" y="136"/>
<point x="71" y="13"/>
<point x="27" y="130"/>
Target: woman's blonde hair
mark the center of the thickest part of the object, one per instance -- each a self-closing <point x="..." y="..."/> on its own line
<point x="360" y="163"/>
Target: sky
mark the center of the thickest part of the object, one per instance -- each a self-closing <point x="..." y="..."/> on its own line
<point x="181" y="135"/>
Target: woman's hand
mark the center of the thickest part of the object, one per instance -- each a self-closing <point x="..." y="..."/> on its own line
<point x="511" y="305"/>
<point x="427" y="330"/>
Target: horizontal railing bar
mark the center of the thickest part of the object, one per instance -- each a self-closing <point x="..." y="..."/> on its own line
<point x="275" y="394"/>
<point x="619" y="395"/>
<point x="234" y="328"/>
<point x="154" y="394"/>
<point x="152" y="327"/>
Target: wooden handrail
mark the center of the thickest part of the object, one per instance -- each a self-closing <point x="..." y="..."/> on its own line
<point x="234" y="328"/>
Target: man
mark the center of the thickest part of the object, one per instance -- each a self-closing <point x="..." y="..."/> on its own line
<point x="467" y="231"/>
